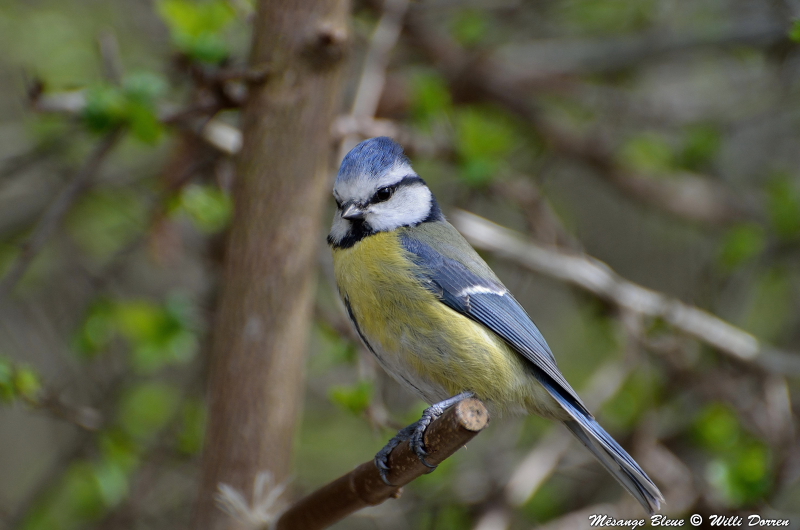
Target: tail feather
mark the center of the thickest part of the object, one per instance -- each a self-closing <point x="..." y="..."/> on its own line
<point x="613" y="457"/>
<point x="618" y="462"/>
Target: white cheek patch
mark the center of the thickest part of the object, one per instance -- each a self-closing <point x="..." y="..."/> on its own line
<point x="408" y="206"/>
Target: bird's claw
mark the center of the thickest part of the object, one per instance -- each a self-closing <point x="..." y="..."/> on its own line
<point x="382" y="458"/>
<point x="417" y="441"/>
<point x="415" y="434"/>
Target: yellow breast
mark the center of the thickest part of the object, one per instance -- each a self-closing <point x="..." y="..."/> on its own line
<point x="423" y="343"/>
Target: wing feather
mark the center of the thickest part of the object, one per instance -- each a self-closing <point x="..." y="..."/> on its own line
<point x="488" y="302"/>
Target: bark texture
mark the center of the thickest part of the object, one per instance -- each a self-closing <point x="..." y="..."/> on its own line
<point x="258" y="354"/>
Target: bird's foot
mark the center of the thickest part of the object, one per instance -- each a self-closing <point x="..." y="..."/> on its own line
<point x="415" y="434"/>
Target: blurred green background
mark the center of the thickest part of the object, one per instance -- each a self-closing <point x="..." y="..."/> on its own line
<point x="612" y="122"/>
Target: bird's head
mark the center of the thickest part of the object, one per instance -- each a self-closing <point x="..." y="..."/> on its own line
<point x="377" y="190"/>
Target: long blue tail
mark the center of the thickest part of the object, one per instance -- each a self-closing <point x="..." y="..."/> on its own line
<point x="613" y="457"/>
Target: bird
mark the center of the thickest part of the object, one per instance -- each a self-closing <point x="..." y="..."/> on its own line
<point x="438" y="319"/>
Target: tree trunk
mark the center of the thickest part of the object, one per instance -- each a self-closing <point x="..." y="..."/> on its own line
<point x="257" y="362"/>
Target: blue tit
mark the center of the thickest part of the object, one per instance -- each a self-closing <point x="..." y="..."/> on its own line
<point x="438" y="319"/>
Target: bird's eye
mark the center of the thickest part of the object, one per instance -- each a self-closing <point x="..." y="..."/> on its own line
<point x="384" y="194"/>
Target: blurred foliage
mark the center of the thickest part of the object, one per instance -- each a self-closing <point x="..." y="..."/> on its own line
<point x="637" y="396"/>
<point x="794" y="33"/>
<point x="650" y="153"/>
<point x="469" y="27"/>
<point x="18" y="382"/>
<point x="209" y="208"/>
<point x="133" y="105"/>
<point x="158" y="334"/>
<point x="105" y="221"/>
<point x="607" y="17"/>
<point x="741" y="244"/>
<point x="355" y="398"/>
<point x="196" y="27"/>
<point x="483" y="140"/>
<point x="784" y="206"/>
<point x="700" y="145"/>
<point x="127" y="285"/>
<point x="431" y="100"/>
<point x="740" y="467"/>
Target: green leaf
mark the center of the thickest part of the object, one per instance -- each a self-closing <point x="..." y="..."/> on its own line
<point x="784" y="207"/>
<point x="742" y="477"/>
<point x="193" y="428"/>
<point x="27" y="382"/>
<point x="105" y="220"/>
<point x="18" y="381"/>
<point x="98" y="329"/>
<point x="771" y="307"/>
<point x="133" y="105"/>
<point x="208" y="207"/>
<point x="144" y="87"/>
<point x="196" y="27"/>
<point x="608" y="16"/>
<point x="717" y="427"/>
<point x="741" y="244"/>
<point x="547" y="503"/>
<point x="8" y="391"/>
<point x="112" y="482"/>
<point x="145" y="409"/>
<point x="484" y="138"/>
<point x="84" y="498"/>
<point x="700" y="144"/>
<point x="430" y="98"/>
<point x="144" y="123"/>
<point x="794" y="33"/>
<point x="159" y="335"/>
<point x="633" y="399"/>
<point x="106" y="108"/>
<point x="469" y="27"/>
<point x="119" y="448"/>
<point x="648" y="152"/>
<point x="355" y="399"/>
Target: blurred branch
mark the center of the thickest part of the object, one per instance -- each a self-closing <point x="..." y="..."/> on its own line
<point x="54" y="215"/>
<point x="542" y="220"/>
<point x="87" y="418"/>
<point x="546" y="59"/>
<point x="596" y="277"/>
<point x="108" y="45"/>
<point x="215" y="132"/>
<point x="689" y="197"/>
<point x="363" y="486"/>
<point x="373" y="74"/>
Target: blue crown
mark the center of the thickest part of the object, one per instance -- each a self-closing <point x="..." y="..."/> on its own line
<point x="372" y="158"/>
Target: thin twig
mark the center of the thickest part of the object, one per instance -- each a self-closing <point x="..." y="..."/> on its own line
<point x="54" y="215"/>
<point x="599" y="279"/>
<point x="373" y="74"/>
<point x="363" y="486"/>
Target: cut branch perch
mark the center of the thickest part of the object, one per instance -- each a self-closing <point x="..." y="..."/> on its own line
<point x="363" y="486"/>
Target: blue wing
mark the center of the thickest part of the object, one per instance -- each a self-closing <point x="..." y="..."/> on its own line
<point x="484" y="299"/>
<point x="488" y="302"/>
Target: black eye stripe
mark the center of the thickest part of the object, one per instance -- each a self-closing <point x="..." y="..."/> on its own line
<point x="381" y="194"/>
